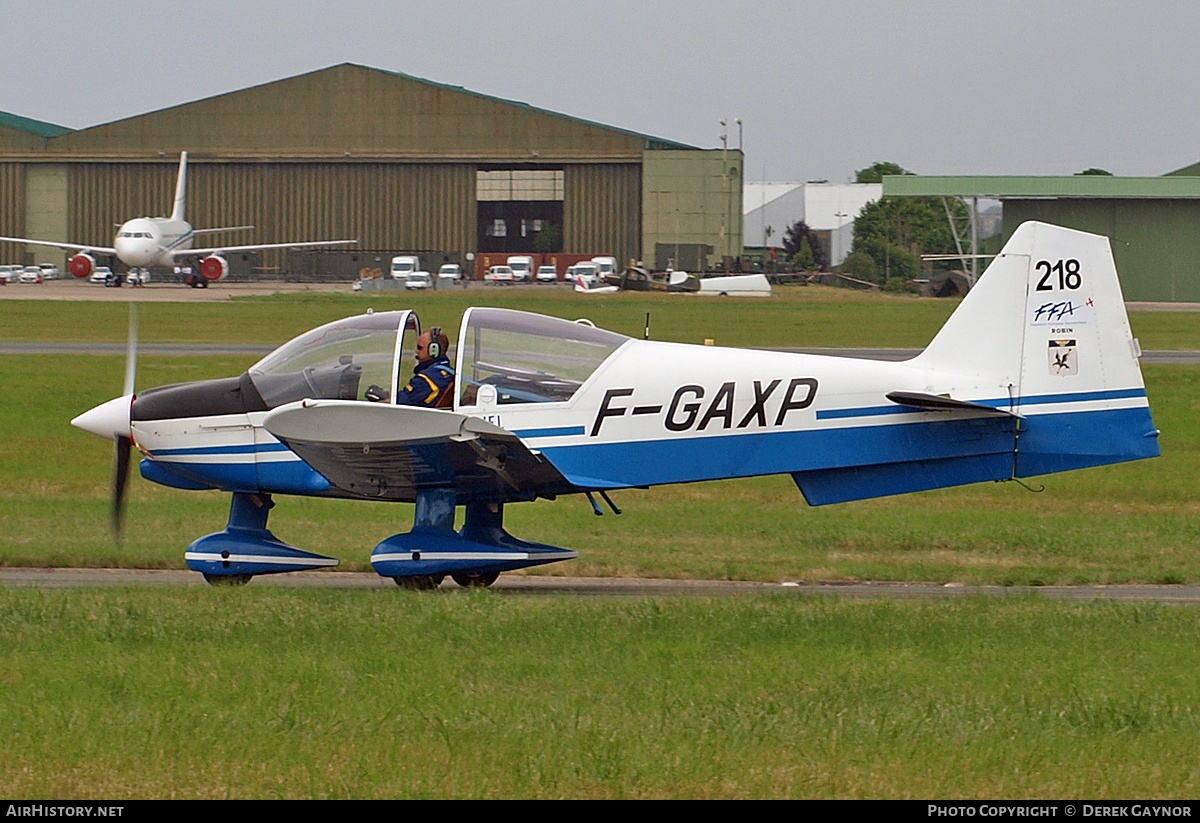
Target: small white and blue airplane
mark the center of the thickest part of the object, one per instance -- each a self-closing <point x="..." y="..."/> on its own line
<point x="1035" y="372"/>
<point x="161" y="242"/>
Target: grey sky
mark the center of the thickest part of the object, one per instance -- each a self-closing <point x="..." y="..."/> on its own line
<point x="823" y="88"/>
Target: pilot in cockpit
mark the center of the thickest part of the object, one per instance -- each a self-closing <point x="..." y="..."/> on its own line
<point x="432" y="383"/>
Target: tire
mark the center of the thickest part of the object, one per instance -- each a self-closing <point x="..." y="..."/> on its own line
<point x="475" y="581"/>
<point x="227" y="579"/>
<point x="420" y="582"/>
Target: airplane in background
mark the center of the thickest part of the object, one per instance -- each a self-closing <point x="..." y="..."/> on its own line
<point x="582" y="287"/>
<point x="1035" y="372"/>
<point x="150" y="242"/>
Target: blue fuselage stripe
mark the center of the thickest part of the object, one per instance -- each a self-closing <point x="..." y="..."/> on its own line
<point x="248" y="449"/>
<point x="996" y="403"/>
<point x="560" y="431"/>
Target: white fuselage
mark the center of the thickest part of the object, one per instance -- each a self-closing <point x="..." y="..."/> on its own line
<point x="152" y="241"/>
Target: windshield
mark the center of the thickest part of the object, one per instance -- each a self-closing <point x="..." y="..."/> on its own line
<point x="339" y="361"/>
<point x="518" y="357"/>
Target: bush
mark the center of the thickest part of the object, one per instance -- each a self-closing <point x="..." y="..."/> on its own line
<point x="861" y="265"/>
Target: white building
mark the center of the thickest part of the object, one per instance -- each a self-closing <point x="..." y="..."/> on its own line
<point x="829" y="210"/>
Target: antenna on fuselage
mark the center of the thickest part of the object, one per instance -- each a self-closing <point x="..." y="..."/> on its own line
<point x="646" y="334"/>
<point x="180" y="188"/>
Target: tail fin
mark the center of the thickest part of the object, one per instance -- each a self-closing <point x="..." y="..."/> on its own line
<point x="1048" y="320"/>
<point x="180" y="188"/>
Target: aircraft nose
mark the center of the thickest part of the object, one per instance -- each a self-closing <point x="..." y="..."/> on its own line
<point x="134" y="253"/>
<point x="108" y="420"/>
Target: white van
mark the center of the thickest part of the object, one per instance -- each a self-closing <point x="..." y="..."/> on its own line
<point x="522" y="267"/>
<point x="403" y="265"/>
<point x="605" y="266"/>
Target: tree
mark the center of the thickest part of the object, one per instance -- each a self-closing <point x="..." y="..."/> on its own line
<point x="896" y="231"/>
<point x="1094" y="171"/>
<point x="548" y="239"/>
<point x="875" y="172"/>
<point x="803" y="248"/>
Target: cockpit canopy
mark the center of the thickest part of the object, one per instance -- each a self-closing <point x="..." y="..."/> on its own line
<point x="338" y="361"/>
<point x="503" y="357"/>
<point x="508" y="357"/>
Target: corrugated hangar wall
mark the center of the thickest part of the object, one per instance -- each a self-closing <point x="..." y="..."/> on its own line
<point x="1155" y="243"/>
<point x="602" y="210"/>
<point x="386" y="206"/>
<point x="12" y="215"/>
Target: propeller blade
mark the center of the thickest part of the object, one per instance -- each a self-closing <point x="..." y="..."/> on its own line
<point x="120" y="478"/>
<point x="131" y="350"/>
<point x="124" y="442"/>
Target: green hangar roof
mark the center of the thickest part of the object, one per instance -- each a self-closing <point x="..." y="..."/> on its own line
<point x="35" y="127"/>
<point x="1079" y="185"/>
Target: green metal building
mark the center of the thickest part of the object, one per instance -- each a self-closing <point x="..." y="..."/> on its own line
<point x="401" y="163"/>
<point x="1152" y="222"/>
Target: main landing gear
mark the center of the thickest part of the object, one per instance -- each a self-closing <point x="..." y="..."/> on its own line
<point x="419" y="559"/>
<point x="245" y="548"/>
<point x="473" y="557"/>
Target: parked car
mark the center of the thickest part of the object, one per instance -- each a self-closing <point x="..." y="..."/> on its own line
<point x="31" y="274"/>
<point x="451" y="272"/>
<point x="10" y="274"/>
<point x="101" y="275"/>
<point x="499" y="274"/>
<point x="547" y="274"/>
<point x="49" y="271"/>
<point x="418" y="280"/>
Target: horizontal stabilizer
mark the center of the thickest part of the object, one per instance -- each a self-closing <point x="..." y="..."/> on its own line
<point x="939" y="402"/>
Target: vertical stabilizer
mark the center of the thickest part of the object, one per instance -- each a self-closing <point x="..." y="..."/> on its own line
<point x="1046" y="326"/>
<point x="180" y="188"/>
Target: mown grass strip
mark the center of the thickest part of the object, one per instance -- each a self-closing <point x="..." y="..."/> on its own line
<point x="384" y="693"/>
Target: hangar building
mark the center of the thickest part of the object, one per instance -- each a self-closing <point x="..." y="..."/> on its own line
<point x="1152" y="221"/>
<point x="403" y="164"/>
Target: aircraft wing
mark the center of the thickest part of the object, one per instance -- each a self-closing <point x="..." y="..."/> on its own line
<point x="385" y="452"/>
<point x="57" y="245"/>
<point x="260" y="247"/>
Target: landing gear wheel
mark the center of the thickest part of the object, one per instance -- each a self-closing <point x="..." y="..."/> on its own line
<point x="228" y="579"/>
<point x="422" y="582"/>
<point x="470" y="581"/>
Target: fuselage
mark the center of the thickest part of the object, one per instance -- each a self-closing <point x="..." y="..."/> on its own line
<point x="147" y="242"/>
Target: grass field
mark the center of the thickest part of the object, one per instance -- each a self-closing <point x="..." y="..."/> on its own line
<point x="322" y="694"/>
<point x="263" y="692"/>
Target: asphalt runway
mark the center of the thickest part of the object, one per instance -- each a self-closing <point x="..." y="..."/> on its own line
<point x="546" y="585"/>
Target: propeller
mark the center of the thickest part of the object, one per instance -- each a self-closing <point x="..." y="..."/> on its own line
<point x="123" y="440"/>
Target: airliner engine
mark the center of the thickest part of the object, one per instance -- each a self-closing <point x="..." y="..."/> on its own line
<point x="81" y="265"/>
<point x="214" y="267"/>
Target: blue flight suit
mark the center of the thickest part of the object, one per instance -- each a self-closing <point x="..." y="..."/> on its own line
<point x="431" y="382"/>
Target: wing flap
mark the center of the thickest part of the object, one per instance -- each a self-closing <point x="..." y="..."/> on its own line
<point x="381" y="451"/>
